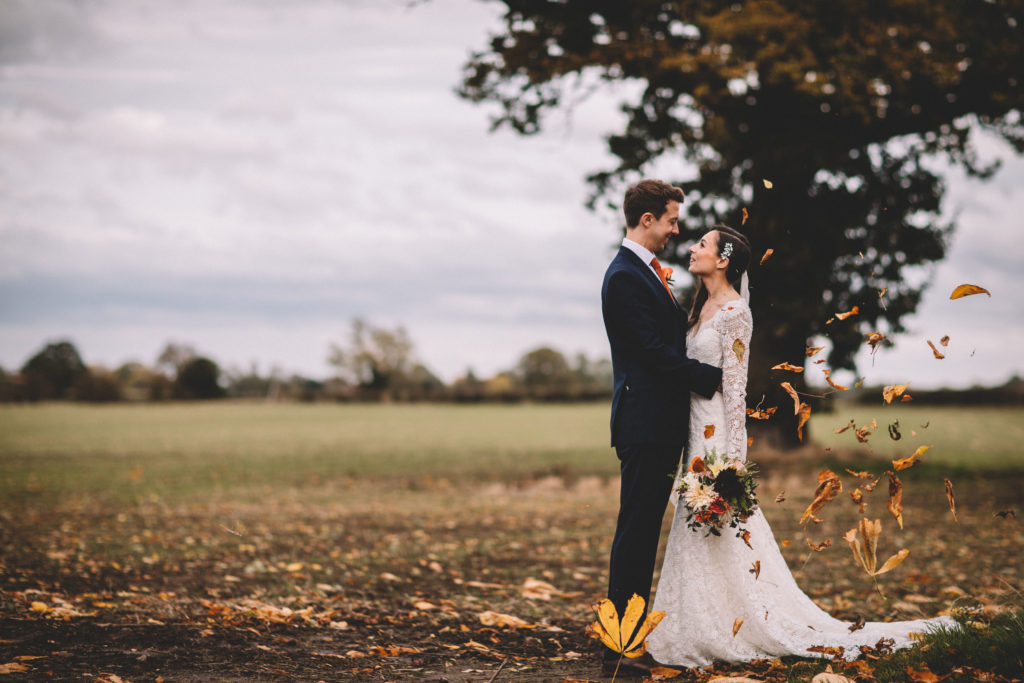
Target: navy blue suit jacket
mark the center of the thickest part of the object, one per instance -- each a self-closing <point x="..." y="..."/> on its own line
<point x="653" y="377"/>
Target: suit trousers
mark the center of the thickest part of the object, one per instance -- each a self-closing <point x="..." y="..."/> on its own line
<point x="647" y="475"/>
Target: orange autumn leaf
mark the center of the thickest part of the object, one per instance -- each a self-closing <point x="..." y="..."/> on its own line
<point x="891" y="391"/>
<point x="925" y="676"/>
<point x="870" y="486"/>
<point x="945" y="340"/>
<point x="738" y="347"/>
<point x="761" y="414"/>
<point x="614" y="634"/>
<point x="907" y="398"/>
<point x="829" y="487"/>
<point x="756" y="569"/>
<point x="745" y="535"/>
<point x="862" y="433"/>
<point x="781" y="497"/>
<point x="750" y="441"/>
<point x="804" y="416"/>
<point x="828" y="378"/>
<point x="736" y="626"/>
<point x="658" y="673"/>
<point x="904" y="463"/>
<point x="853" y="311"/>
<point x="767" y="183"/>
<point x="709" y="431"/>
<point x="792" y="394"/>
<point x="874" y="339"/>
<point x="863" y="540"/>
<point x="840" y="430"/>
<point x="951" y="499"/>
<point x="787" y="366"/>
<point x="967" y="290"/>
<point x="938" y="354"/>
<point x="785" y="542"/>
<point x="827" y="543"/>
<point x="746" y="215"/>
<point x="858" y="497"/>
<point x="895" y="504"/>
<point x="767" y="255"/>
<point x="861" y="474"/>
<point x="697" y="464"/>
<point x="811" y="350"/>
<point x="882" y="292"/>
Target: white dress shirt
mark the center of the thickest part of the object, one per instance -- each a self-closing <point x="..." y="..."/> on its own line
<point x="645" y="254"/>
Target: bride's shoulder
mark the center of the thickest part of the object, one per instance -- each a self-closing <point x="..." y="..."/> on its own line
<point x="736" y="312"/>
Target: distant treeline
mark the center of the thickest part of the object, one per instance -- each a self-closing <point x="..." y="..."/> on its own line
<point x="1011" y="393"/>
<point x="377" y="365"/>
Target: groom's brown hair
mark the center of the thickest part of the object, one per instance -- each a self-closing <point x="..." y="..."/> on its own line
<point x="649" y="196"/>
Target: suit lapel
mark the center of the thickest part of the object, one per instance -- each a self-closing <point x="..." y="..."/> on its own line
<point x="652" y="279"/>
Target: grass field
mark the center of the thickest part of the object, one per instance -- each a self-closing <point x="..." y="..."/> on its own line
<point x="187" y="450"/>
<point x="250" y="541"/>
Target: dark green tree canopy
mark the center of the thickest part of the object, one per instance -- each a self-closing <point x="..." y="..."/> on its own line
<point x="52" y="372"/>
<point x="839" y="105"/>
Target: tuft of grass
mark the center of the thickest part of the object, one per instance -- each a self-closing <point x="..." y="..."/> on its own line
<point x="997" y="647"/>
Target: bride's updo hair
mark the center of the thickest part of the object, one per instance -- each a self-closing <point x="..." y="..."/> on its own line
<point x="739" y="260"/>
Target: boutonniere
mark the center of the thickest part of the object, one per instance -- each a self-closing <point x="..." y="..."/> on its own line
<point x="667" y="274"/>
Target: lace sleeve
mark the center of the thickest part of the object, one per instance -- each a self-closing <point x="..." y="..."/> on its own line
<point x="734" y="325"/>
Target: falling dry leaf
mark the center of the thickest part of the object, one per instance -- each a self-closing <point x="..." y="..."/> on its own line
<point x="891" y="391"/>
<point x="611" y="632"/>
<point x="792" y="394"/>
<point x="805" y="415"/>
<point x="785" y="542"/>
<point x="828" y="378"/>
<point x="905" y="463"/>
<point x="874" y="339"/>
<point x="745" y="535"/>
<point x="945" y="340"/>
<point x="811" y="350"/>
<point x="840" y="430"/>
<point x="827" y="543"/>
<point x="858" y="497"/>
<point x="870" y="486"/>
<point x="951" y="499"/>
<point x="1005" y="514"/>
<point x="967" y="290"/>
<point x="767" y="183"/>
<point x="761" y="414"/>
<point x="756" y="569"/>
<point x="746" y="215"/>
<point x="738" y="347"/>
<point x="787" y="366"/>
<point x="736" y="625"/>
<point x="862" y="433"/>
<point x="863" y="540"/>
<point x="767" y="255"/>
<point x="829" y="487"/>
<point x="781" y="497"/>
<point x="709" y="431"/>
<point x="895" y="504"/>
<point x="882" y="292"/>
<point x="857" y="624"/>
<point x="938" y="354"/>
<point x="843" y="316"/>
<point x="861" y="475"/>
<point x="894" y="431"/>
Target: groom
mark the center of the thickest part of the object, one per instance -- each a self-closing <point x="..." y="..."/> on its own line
<point x="653" y="380"/>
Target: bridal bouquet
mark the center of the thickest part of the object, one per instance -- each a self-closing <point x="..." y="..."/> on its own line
<point x="718" y="492"/>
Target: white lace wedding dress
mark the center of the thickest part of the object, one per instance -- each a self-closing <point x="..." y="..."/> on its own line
<point x="706" y="581"/>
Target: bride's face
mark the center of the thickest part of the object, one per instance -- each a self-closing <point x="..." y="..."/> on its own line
<point x="704" y="258"/>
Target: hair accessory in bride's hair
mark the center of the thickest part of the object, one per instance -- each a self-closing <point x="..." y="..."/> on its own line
<point x="726" y="250"/>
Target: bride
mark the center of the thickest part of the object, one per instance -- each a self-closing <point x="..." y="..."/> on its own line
<point x="707" y="582"/>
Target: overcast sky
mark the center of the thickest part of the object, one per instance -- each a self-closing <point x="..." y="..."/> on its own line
<point x="248" y="176"/>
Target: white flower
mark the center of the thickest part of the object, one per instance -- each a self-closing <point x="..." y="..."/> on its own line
<point x="700" y="496"/>
<point x="691" y="480"/>
<point x="716" y="468"/>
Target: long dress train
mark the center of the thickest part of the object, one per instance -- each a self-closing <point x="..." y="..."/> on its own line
<point x="707" y="582"/>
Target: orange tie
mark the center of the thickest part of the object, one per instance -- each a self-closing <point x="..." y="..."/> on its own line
<point x="664" y="274"/>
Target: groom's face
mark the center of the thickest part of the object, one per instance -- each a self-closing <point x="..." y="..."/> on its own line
<point x="661" y="229"/>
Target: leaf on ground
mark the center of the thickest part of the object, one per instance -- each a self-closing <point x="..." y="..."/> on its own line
<point x="781" y="497"/>
<point x="13" y="668"/>
<point x="925" y="676"/>
<point x="938" y="354"/>
<point x="905" y="463"/>
<point x="967" y="290"/>
<point x="490" y="618"/>
<point x="793" y="395"/>
<point x="664" y="673"/>
<point x="829" y="677"/>
<point x="535" y="589"/>
<point x="767" y="255"/>
<point x="895" y="504"/>
<point x="829" y="487"/>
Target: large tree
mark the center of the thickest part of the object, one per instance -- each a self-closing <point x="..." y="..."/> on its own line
<point x="839" y="105"/>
